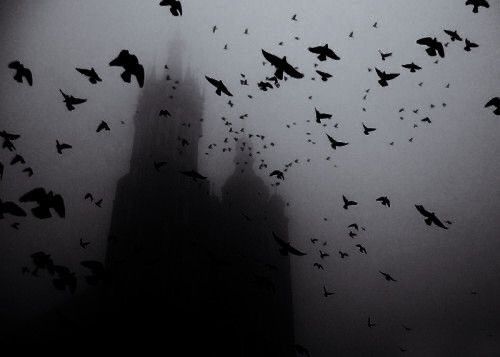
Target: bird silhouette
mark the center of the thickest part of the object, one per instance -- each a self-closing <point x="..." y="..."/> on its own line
<point x="324" y="52"/>
<point x="9" y="207"/>
<point x="45" y="201"/>
<point x="367" y="130"/>
<point x="477" y="4"/>
<point x="102" y="126"/>
<point x="370" y="323"/>
<point x="285" y="247"/>
<point x="384" y="201"/>
<point x="17" y="159"/>
<point x="21" y="72"/>
<point x="98" y="203"/>
<point x="264" y="86"/>
<point x="164" y="113"/>
<point x="335" y="144"/>
<point x="279" y="174"/>
<point x="175" y="6"/>
<point x="29" y="171"/>
<point x="324" y="75"/>
<point x="319" y="266"/>
<point x="494" y="102"/>
<point x="91" y="74"/>
<point x="412" y="67"/>
<point x="430" y="217"/>
<point x="71" y="101"/>
<point x="384" y="55"/>
<point x="343" y="255"/>
<point x="42" y="261"/>
<point x="387" y="277"/>
<point x="193" y="174"/>
<point x="62" y="146"/>
<point x="83" y="244"/>
<point x="352" y="234"/>
<point x="434" y="47"/>
<point x="314" y="240"/>
<point x="220" y="87"/>
<point x="294" y="17"/>
<point x="131" y="67"/>
<point x="384" y="77"/>
<point x="348" y="203"/>
<point x="354" y="225"/>
<point x="406" y="328"/>
<point x="282" y="66"/>
<point x="88" y="196"/>
<point x="454" y="36"/>
<point x="321" y="116"/>
<point x="361" y="248"/>
<point x="426" y="120"/>
<point x="469" y="45"/>
<point x="323" y="255"/>
<point x="327" y="293"/>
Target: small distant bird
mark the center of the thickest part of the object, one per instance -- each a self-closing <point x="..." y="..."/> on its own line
<point x="323" y="255"/>
<point x="412" y="67"/>
<point x="406" y="328"/>
<point x="361" y="248"/>
<point x="62" y="146"/>
<point x="430" y="217"/>
<point x="29" y="171"/>
<point x="264" y="86"/>
<point x="220" y="87"/>
<point x="282" y="66"/>
<point x="477" y="4"/>
<point x="294" y="17"/>
<point x="16" y="159"/>
<point x="335" y="144"/>
<point x="71" y="101"/>
<point x="214" y="28"/>
<point x="324" y="52"/>
<point x="327" y="293"/>
<point x="91" y="74"/>
<point x="375" y="25"/>
<point x="494" y="102"/>
<point x="367" y="130"/>
<point x="230" y="104"/>
<point x="98" y="203"/>
<point x="354" y="225"/>
<point x="88" y="196"/>
<point x="83" y="244"/>
<point x="370" y="323"/>
<point x="348" y="203"/>
<point x="352" y="234"/>
<point x="384" y="201"/>
<point x="245" y="32"/>
<point x="159" y="164"/>
<point x="131" y="66"/>
<point x="384" y="55"/>
<point x="46" y="201"/>
<point x="102" y="126"/>
<point x="454" y="36"/>
<point x="402" y="349"/>
<point x="314" y="240"/>
<point x="469" y="45"/>
<point x="351" y="34"/>
<point x="21" y="72"/>
<point x="279" y="174"/>
<point x="42" y="261"/>
<point x="384" y="77"/>
<point x="343" y="255"/>
<point x="426" y="120"/>
<point x="193" y="174"/>
<point x="286" y="248"/>
<point x="175" y="6"/>
<point x="387" y="277"/>
<point x="9" y="207"/>
<point x="324" y="75"/>
<point x="319" y="266"/>
<point x="164" y="113"/>
<point x="434" y="47"/>
<point x="321" y="116"/>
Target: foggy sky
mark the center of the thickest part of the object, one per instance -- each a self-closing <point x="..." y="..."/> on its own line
<point x="452" y="166"/>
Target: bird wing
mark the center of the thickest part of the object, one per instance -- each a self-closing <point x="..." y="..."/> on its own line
<point x="77" y="100"/>
<point x="426" y="41"/>
<point x="13" y="209"/>
<point x="84" y="71"/>
<point x="139" y="74"/>
<point x="224" y="90"/>
<point x="390" y="76"/>
<point x="29" y="76"/>
<point x="213" y="81"/>
<point x="58" y="205"/>
<point x="318" y="49"/>
<point x="493" y="102"/>
<point x="438" y="222"/>
<point x="292" y="72"/>
<point x="422" y="211"/>
<point x="274" y="60"/>
<point x="35" y="195"/>
<point x="280" y="241"/>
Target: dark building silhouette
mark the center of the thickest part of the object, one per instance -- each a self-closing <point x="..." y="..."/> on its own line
<point x="188" y="269"/>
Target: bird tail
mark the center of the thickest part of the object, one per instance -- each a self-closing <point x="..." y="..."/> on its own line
<point x="322" y="57"/>
<point x="428" y="221"/>
<point x="218" y="91"/>
<point x="126" y="76"/>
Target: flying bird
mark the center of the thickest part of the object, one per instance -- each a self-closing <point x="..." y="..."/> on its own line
<point x="91" y="74"/>
<point x="430" y="217"/>
<point x="494" y="102"/>
<point x="367" y="130"/>
<point x="454" y="36"/>
<point x="9" y="207"/>
<point x="323" y="255"/>
<point x="220" y="87"/>
<point x="319" y="266"/>
<point x="164" y="113"/>
<point x="384" y="77"/>
<point x="361" y="248"/>
<point x="384" y="201"/>
<point x="279" y="174"/>
<point x="29" y="171"/>
<point x="102" y="126"/>
<point x="354" y="225"/>
<point x="17" y="158"/>
<point x="343" y="255"/>
<point x="193" y="174"/>
<point x="334" y="143"/>
<point x="282" y="66"/>
<point x="426" y="120"/>
<point x="387" y="277"/>
<point x="327" y="293"/>
<point x="324" y="75"/>
<point x="46" y="201"/>
<point x="434" y="47"/>
<point x="321" y="116"/>
<point x="71" y="101"/>
<point x="348" y="203"/>
<point x="21" y="72"/>
<point x="324" y="52"/>
<point x="83" y="244"/>
<point x="477" y="4"/>
<point x="469" y="45"/>
<point x="286" y="248"/>
<point x="131" y="66"/>
<point x="412" y="67"/>
<point x="175" y="6"/>
<point x="384" y="55"/>
<point x="62" y="146"/>
<point x="370" y="323"/>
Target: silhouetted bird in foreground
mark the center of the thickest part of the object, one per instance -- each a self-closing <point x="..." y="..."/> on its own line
<point x="469" y="45"/>
<point x="412" y="67"/>
<point x="175" y="6"/>
<point x="407" y="329"/>
<point x="387" y="276"/>
<point x="21" y="72"/>
<point x="131" y="66"/>
<point x="384" y="201"/>
<point x="384" y="77"/>
<point x="62" y="146"/>
<point x="324" y="75"/>
<point x="494" y="102"/>
<point x="279" y="174"/>
<point x="324" y="52"/>
<point x="46" y="201"/>
<point x="367" y="130"/>
<point x="327" y="293"/>
<point x="434" y="47"/>
<point x="282" y="66"/>
<point x="193" y="174"/>
<point x="348" y="203"/>
<point x="430" y="217"/>
<point x="335" y="144"/>
<point x="321" y="116"/>
<point x="477" y="4"/>
<point x="8" y="207"/>
<point x="220" y="87"/>
<point x="264" y="86"/>
<point x="286" y="248"/>
<point x="71" y="101"/>
<point x="91" y="74"/>
<point x="454" y="36"/>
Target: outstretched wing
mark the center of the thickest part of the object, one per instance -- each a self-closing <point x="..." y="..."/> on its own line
<point x="426" y="41"/>
<point x="58" y="205"/>
<point x="76" y="101"/>
<point x="85" y="72"/>
<point x="318" y="49"/>
<point x="292" y="72"/>
<point x="224" y="90"/>
<point x="213" y="81"/>
<point x="13" y="209"/>
<point x="493" y="102"/>
<point x="274" y="60"/>
<point x="29" y="76"/>
<point x="390" y="76"/>
<point x="35" y="195"/>
<point x="139" y="74"/>
<point x="422" y="211"/>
